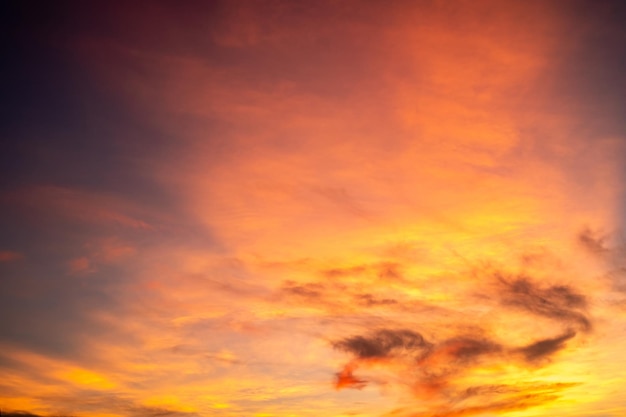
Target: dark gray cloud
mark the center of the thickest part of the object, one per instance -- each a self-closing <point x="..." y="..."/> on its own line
<point x="558" y="302"/>
<point x="546" y="347"/>
<point x="382" y="343"/>
<point x="593" y="241"/>
<point x="432" y="366"/>
<point x="369" y="300"/>
<point x="463" y="349"/>
<point x="311" y="290"/>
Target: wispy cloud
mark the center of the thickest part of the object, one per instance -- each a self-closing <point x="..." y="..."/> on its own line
<point x="558" y="302"/>
<point x="546" y="347"/>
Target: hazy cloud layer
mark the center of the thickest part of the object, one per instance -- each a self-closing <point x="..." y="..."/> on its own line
<point x="276" y="208"/>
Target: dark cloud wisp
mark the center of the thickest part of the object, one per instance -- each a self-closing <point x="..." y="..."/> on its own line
<point x="557" y="302"/>
<point x="382" y="343"/>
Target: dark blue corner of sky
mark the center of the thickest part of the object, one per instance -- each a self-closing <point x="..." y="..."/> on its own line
<point x="59" y="124"/>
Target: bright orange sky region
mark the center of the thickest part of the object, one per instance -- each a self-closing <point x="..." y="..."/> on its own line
<point x="313" y="208"/>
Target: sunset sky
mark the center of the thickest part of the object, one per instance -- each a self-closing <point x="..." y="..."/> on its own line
<point x="336" y="208"/>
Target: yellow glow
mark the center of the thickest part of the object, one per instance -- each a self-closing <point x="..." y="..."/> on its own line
<point x="169" y="401"/>
<point x="88" y="378"/>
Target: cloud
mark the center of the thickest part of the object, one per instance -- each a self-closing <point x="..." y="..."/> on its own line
<point x="546" y="347"/>
<point x="80" y="266"/>
<point x="369" y="300"/>
<point x="520" y="402"/>
<point x="377" y="347"/>
<point x="296" y="132"/>
<point x="459" y="351"/>
<point x="346" y="379"/>
<point x="557" y="302"/>
<point x="82" y="205"/>
<point x="88" y="402"/>
<point x="593" y="241"/>
<point x="433" y="368"/>
<point x="492" y="399"/>
<point x="310" y="291"/>
<point x="382" y="343"/>
<point x="103" y="252"/>
<point x="337" y="297"/>
<point x="338" y="290"/>
<point x="426" y="366"/>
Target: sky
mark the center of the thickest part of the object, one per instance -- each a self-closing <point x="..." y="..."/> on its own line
<point x="338" y="208"/>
